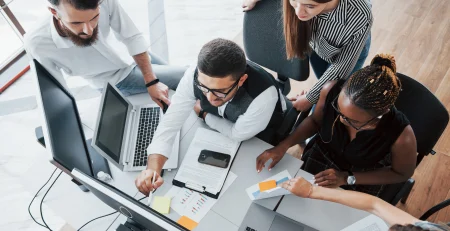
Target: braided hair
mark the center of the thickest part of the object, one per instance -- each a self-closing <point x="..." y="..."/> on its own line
<point x="375" y="88"/>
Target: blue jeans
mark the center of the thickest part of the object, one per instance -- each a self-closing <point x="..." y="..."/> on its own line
<point x="169" y="75"/>
<point x="320" y="66"/>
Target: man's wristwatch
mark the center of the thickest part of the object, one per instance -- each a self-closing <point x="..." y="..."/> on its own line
<point x="351" y="180"/>
<point x="201" y="114"/>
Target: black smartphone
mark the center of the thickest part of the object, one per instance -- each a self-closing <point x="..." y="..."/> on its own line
<point x="165" y="106"/>
<point x="214" y="158"/>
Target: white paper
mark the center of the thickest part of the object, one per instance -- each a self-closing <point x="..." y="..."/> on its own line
<point x="200" y="175"/>
<point x="192" y="204"/>
<point x="254" y="193"/>
<point x="369" y="223"/>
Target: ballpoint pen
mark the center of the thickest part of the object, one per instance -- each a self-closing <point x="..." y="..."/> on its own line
<point x="150" y="195"/>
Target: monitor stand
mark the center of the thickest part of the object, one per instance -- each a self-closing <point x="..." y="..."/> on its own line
<point x="98" y="163"/>
<point x="130" y="225"/>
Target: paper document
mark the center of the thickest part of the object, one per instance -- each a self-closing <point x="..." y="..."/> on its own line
<point x="192" y="204"/>
<point x="270" y="187"/>
<point x="369" y="223"/>
<point x="197" y="175"/>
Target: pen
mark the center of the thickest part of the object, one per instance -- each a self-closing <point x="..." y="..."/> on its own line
<point x="151" y="192"/>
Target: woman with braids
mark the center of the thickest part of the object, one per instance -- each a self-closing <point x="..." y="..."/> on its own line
<point x="363" y="141"/>
<point x="335" y="34"/>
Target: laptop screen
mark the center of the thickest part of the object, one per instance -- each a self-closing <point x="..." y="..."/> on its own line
<point x="111" y="126"/>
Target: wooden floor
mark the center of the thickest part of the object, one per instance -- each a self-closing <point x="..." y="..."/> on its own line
<point x="417" y="33"/>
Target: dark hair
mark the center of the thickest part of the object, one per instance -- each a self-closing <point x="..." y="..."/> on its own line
<point x="78" y="4"/>
<point x="297" y="33"/>
<point x="406" y="228"/>
<point x="375" y="88"/>
<point x="220" y="58"/>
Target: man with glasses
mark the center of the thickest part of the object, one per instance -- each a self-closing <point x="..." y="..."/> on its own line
<point x="231" y="94"/>
<point x="77" y="40"/>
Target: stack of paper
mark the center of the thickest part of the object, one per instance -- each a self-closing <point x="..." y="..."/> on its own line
<point x="271" y="187"/>
<point x="193" y="206"/>
<point x="369" y="223"/>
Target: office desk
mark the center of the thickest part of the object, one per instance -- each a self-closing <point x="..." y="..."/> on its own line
<point x="318" y="214"/>
<point x="230" y="209"/>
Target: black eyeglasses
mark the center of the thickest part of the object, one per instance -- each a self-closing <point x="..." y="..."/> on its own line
<point x="217" y="93"/>
<point x="346" y="119"/>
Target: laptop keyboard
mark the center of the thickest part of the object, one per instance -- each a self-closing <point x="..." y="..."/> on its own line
<point x="148" y="123"/>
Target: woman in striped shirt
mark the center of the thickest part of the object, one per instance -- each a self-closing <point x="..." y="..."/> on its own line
<point x="335" y="34"/>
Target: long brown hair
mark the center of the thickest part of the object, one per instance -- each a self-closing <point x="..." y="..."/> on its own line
<point x="297" y="33"/>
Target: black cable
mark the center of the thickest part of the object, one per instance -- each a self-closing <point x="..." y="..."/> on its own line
<point x="109" y="214"/>
<point x="40" y="206"/>
<point x="29" y="206"/>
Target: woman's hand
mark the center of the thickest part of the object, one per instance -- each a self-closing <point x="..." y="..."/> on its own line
<point x="299" y="187"/>
<point x="276" y="154"/>
<point x="331" y="178"/>
<point x="248" y="4"/>
<point x="300" y="102"/>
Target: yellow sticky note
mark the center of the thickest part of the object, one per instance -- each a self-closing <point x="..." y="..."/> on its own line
<point x="161" y="204"/>
<point x="187" y="222"/>
<point x="267" y="185"/>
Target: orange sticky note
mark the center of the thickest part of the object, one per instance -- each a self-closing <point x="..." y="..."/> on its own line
<point x="187" y="222"/>
<point x="267" y="185"/>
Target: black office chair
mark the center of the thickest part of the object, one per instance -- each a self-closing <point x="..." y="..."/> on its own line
<point x="435" y="209"/>
<point x="264" y="43"/>
<point x="428" y="118"/>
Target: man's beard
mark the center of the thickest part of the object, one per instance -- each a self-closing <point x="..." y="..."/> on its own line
<point x="77" y="40"/>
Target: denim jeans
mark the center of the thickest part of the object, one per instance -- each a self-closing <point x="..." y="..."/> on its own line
<point x="169" y="75"/>
<point x="320" y="66"/>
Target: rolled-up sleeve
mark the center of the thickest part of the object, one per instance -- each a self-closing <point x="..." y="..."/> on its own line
<point x="252" y="122"/>
<point x="125" y="29"/>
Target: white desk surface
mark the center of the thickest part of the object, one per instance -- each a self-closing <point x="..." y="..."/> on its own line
<point x="231" y="208"/>
<point x="78" y="207"/>
<point x="318" y="214"/>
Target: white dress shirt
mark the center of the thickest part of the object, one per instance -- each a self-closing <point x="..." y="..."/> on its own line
<point x="249" y="124"/>
<point x="98" y="63"/>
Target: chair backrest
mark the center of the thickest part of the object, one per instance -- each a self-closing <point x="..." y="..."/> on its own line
<point x="427" y="115"/>
<point x="264" y="41"/>
<point x="435" y="209"/>
<point x="428" y="118"/>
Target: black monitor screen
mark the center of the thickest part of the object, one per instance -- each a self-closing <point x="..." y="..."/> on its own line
<point x="112" y="123"/>
<point x="122" y="208"/>
<point x="63" y="123"/>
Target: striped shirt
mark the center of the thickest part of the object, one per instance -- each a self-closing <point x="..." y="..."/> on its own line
<point x="338" y="37"/>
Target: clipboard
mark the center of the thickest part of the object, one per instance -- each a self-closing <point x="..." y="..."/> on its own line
<point x="208" y="137"/>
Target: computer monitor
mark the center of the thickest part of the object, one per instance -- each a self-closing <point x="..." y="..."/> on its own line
<point x="126" y="205"/>
<point x="63" y="129"/>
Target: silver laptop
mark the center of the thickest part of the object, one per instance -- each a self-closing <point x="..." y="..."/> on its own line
<point x="124" y="131"/>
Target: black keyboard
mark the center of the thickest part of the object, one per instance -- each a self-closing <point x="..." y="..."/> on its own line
<point x="148" y="123"/>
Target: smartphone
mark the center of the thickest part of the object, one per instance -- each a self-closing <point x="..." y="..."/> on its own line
<point x="214" y="158"/>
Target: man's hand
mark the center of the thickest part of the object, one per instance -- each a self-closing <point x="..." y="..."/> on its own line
<point x="198" y="108"/>
<point x="276" y="154"/>
<point x="298" y="186"/>
<point x="248" y="4"/>
<point x="300" y="102"/>
<point x="144" y="181"/>
<point x="159" y="92"/>
<point x="331" y="178"/>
